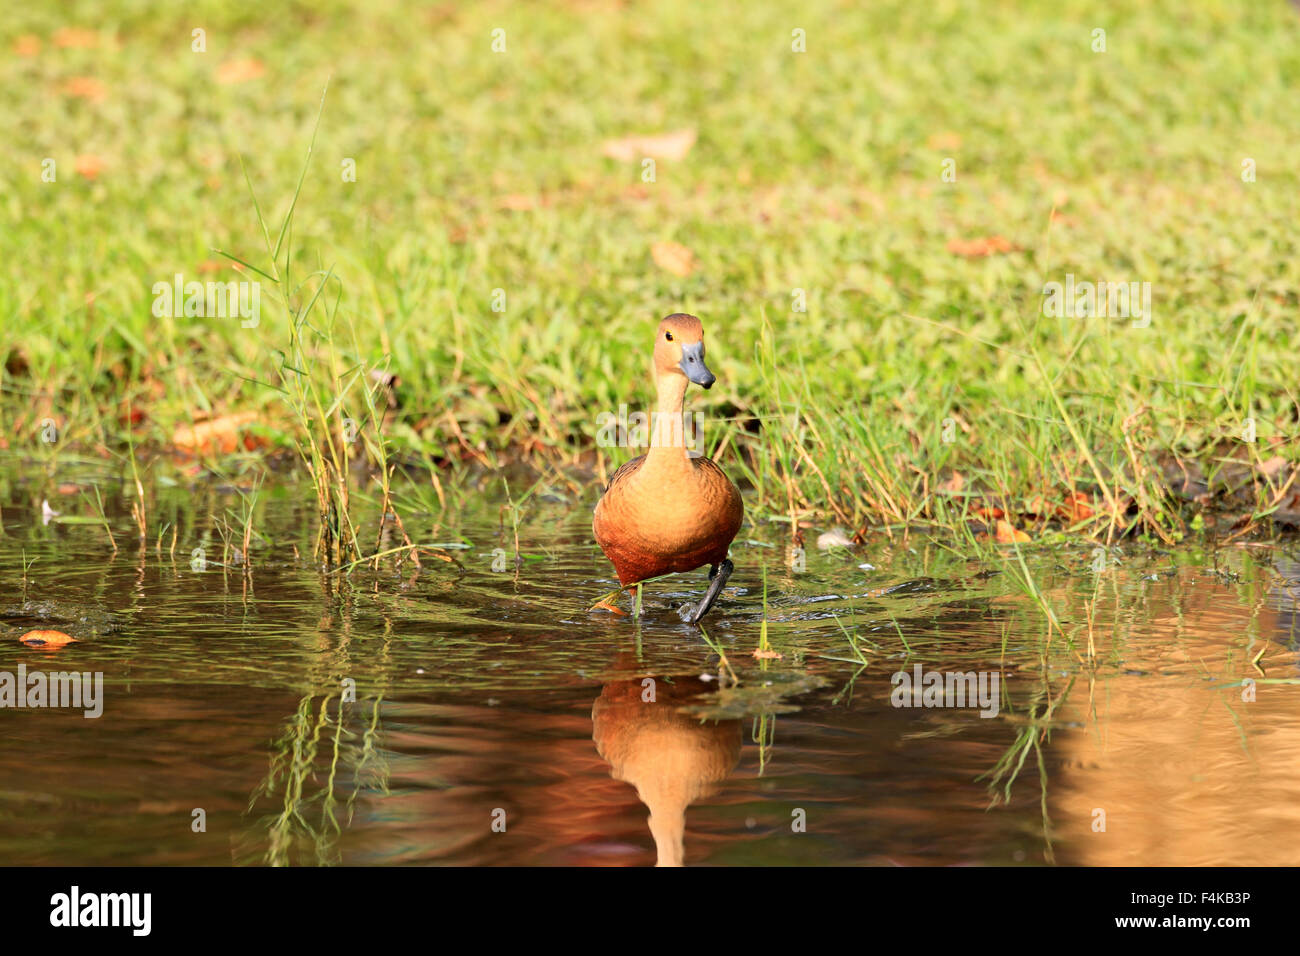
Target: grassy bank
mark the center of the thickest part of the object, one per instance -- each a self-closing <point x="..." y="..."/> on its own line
<point x="923" y="383"/>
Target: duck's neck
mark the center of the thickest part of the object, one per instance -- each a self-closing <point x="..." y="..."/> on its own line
<point x="667" y="438"/>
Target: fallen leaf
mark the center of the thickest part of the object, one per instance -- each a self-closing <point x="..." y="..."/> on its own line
<point x="133" y="416"/>
<point x="944" y="141"/>
<point x="988" y="512"/>
<point x="1078" y="507"/>
<point x="1271" y="467"/>
<point x="763" y="655"/>
<point x="46" y="639"/>
<point x="27" y="45"/>
<point x="88" y="166"/>
<point x="84" y="88"/>
<point x="670" y="146"/>
<point x="835" y="538"/>
<point x="604" y="605"/>
<point x="673" y="257"/>
<point x="1008" y="534"/>
<point x="72" y="38"/>
<point x="953" y="485"/>
<point x="978" y="248"/>
<point x="217" y="436"/>
<point x="240" y="71"/>
<point x="519" y="202"/>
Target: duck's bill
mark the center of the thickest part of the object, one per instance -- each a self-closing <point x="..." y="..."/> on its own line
<point x="693" y="365"/>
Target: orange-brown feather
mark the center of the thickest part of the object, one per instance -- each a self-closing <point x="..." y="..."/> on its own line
<point x="655" y="521"/>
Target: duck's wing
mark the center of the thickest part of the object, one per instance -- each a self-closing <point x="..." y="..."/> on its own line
<point x="625" y="470"/>
<point x="710" y="468"/>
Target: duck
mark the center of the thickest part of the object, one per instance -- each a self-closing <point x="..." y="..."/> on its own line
<point x="668" y="511"/>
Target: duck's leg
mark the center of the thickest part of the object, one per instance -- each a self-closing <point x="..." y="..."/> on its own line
<point x="693" y="614"/>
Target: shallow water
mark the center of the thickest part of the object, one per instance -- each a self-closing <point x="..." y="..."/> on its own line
<point x="489" y="697"/>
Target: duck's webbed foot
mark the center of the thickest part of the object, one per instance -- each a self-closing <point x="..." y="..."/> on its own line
<point x="693" y="613"/>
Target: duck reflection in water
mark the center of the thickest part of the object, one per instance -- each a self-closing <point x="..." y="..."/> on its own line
<point x="671" y="758"/>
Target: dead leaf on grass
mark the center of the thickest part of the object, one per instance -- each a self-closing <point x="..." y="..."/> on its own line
<point x="240" y="71"/>
<point x="669" y="146"/>
<point x="88" y="166"/>
<point x="216" y="436"/>
<point x="953" y="485"/>
<point x="84" y="88"/>
<point x="980" y="247"/>
<point x="673" y="257"/>
<point x="1007" y="533"/>
<point x="72" y="38"/>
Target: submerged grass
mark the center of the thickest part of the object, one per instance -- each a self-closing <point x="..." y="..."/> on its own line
<point x="918" y="386"/>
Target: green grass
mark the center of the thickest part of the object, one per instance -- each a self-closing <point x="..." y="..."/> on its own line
<point x="818" y="171"/>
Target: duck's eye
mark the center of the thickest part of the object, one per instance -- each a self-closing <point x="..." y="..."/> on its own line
<point x="668" y="336"/>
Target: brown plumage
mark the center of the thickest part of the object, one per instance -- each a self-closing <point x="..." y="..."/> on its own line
<point x="665" y="511"/>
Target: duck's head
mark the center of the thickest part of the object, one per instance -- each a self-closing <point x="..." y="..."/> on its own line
<point x="679" y="349"/>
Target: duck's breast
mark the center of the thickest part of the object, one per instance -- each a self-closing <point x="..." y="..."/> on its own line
<point x="657" y="521"/>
